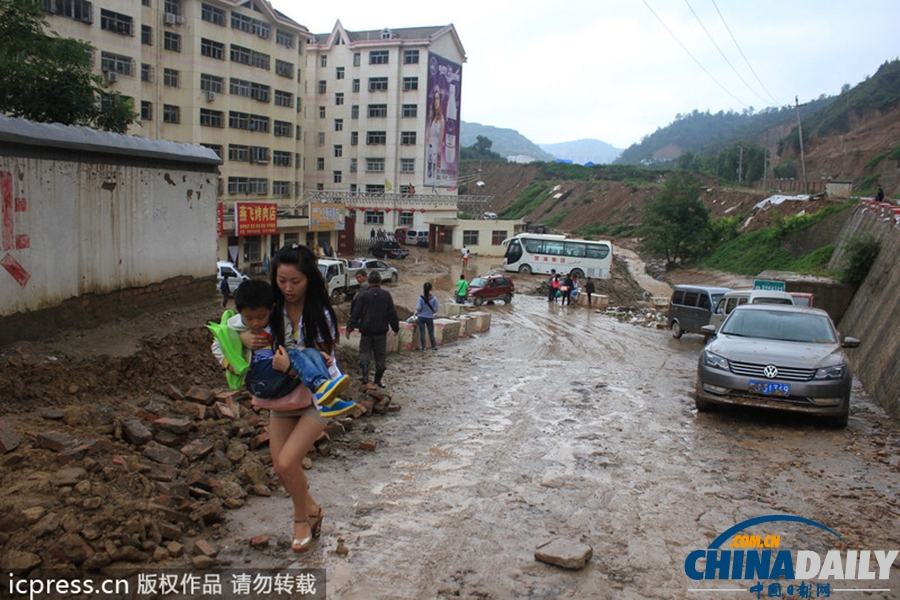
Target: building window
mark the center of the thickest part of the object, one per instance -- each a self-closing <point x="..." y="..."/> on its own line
<point x="250" y="25"/>
<point x="356" y="59"/>
<point x="407" y="165"/>
<point x="353" y="188"/>
<point x="283" y="128"/>
<point x="405" y="219"/>
<point x="212" y="49"/>
<point x="118" y="23"/>
<point x="337" y="176"/>
<point x="339" y="72"/>
<point x="374" y="165"/>
<point x="497" y="237"/>
<point x="339" y="98"/>
<point x="376" y="138"/>
<point x="338" y="124"/>
<point x="280" y="158"/>
<point x="171" y="114"/>
<point x="80" y="10"/>
<point x="377" y="110"/>
<point x="239" y="152"/>
<point x="379" y="57"/>
<point x="410" y="57"/>
<point x="320" y="164"/>
<point x="354" y="138"/>
<point x="212" y="118"/>
<point x="356" y="85"/>
<point x="410" y="84"/>
<point x="212" y="14"/>
<point x="354" y="111"/>
<point x="374" y="217"/>
<point x="215" y="148"/>
<point x="374" y="189"/>
<point x="284" y="38"/>
<point x="353" y="165"/>
<point x="116" y="63"/>
<point x="259" y="154"/>
<point x="241" y="120"/>
<point x="378" y="84"/>
<point x="173" y="7"/>
<point x="281" y="188"/>
<point x="410" y="110"/>
<point x="321" y="112"/>
<point x="211" y="83"/>
<point x="321" y="138"/>
<point x="146" y="73"/>
<point x="246" y="56"/>
<point x="170" y="78"/>
<point x="172" y="41"/>
<point x="408" y="138"/>
<point x="284" y="68"/>
<point x="146" y="35"/>
<point x="283" y="98"/>
<point x="323" y="87"/>
<point x="249" y="89"/>
<point x="338" y="151"/>
<point x="146" y="111"/>
<point x="470" y="237"/>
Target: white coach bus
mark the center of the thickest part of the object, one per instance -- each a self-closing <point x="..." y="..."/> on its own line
<point x="540" y="252"/>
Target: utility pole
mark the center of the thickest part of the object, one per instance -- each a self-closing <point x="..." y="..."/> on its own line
<point x="802" y="157"/>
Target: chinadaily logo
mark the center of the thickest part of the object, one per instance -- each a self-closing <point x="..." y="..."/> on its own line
<point x="766" y="557"/>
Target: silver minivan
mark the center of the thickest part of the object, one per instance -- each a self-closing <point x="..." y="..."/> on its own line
<point x="416" y="237"/>
<point x="691" y="307"/>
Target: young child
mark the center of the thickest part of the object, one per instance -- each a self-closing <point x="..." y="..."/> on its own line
<point x="275" y="372"/>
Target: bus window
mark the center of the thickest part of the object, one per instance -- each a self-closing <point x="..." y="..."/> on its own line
<point x="554" y="248"/>
<point x="533" y="246"/>
<point x="575" y="250"/>
<point x="597" y="251"/>
<point x="514" y="252"/>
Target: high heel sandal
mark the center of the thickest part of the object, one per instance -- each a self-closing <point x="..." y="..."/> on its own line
<point x="315" y="523"/>
<point x="302" y="545"/>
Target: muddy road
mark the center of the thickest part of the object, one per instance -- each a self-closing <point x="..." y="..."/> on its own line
<point x="563" y="422"/>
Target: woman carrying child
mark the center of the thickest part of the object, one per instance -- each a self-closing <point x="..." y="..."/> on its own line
<point x="303" y="316"/>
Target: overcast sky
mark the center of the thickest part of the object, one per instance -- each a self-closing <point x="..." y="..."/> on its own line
<point x="563" y="70"/>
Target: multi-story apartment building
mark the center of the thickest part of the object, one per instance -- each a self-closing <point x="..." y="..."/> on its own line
<point x="344" y="118"/>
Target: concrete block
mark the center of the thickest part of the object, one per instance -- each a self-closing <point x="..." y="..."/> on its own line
<point x="466" y="325"/>
<point x="446" y="331"/>
<point x="350" y="342"/>
<point x="482" y="320"/>
<point x="597" y="300"/>
<point x="451" y="309"/>
<point x="408" y="338"/>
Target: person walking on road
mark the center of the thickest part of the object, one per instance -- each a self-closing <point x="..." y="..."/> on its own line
<point x="462" y="288"/>
<point x="226" y="291"/>
<point x="588" y="290"/>
<point x="465" y="258"/>
<point x="373" y="314"/>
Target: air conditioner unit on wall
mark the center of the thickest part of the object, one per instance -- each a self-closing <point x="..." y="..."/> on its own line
<point x="111" y="76"/>
<point x="170" y="18"/>
<point x="210" y="95"/>
<point x="179" y="19"/>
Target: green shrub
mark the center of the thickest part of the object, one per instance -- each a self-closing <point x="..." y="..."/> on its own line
<point x="858" y="259"/>
<point x="527" y="201"/>
<point x="556" y="219"/>
<point x="873" y="162"/>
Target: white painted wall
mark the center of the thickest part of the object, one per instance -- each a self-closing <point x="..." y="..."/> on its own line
<point x="77" y="226"/>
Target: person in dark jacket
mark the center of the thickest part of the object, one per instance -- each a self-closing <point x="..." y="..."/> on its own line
<point x="589" y="289"/>
<point x="373" y="314"/>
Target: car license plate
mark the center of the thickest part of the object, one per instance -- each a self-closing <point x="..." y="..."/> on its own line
<point x="770" y="388"/>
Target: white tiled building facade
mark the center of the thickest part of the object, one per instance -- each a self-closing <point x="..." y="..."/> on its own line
<point x="296" y="117"/>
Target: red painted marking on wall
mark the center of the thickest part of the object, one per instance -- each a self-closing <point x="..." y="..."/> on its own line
<point x="17" y="271"/>
<point x="7" y="238"/>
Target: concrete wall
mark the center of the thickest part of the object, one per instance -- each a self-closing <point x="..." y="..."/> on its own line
<point x="85" y="213"/>
<point x="872" y="315"/>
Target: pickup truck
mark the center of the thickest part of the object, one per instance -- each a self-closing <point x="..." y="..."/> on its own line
<point x="340" y="279"/>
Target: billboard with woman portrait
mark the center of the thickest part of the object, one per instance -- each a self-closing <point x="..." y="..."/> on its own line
<point x="442" y="122"/>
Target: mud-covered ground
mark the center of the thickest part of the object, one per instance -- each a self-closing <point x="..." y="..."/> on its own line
<point x="560" y="422"/>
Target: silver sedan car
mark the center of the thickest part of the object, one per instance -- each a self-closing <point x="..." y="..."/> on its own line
<point x="779" y="357"/>
<point x="388" y="273"/>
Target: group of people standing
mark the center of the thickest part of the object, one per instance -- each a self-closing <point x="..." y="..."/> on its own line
<point x="566" y="288"/>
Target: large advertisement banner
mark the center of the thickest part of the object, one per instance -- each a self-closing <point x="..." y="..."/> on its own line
<point x="442" y="122"/>
<point x="327" y="217"/>
<point x="255" y="218"/>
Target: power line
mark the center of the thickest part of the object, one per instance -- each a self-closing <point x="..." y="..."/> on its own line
<point x="749" y="66"/>
<point x="722" y="54"/>
<point x="683" y="47"/>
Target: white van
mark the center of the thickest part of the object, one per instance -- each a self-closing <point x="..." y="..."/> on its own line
<point x="735" y="298"/>
<point x="416" y="237"/>
<point x="227" y="269"/>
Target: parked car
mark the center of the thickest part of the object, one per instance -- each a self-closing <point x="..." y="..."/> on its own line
<point x="227" y="269"/>
<point x="489" y="216"/>
<point x="388" y="273"/>
<point x="691" y="306"/>
<point x="388" y="249"/>
<point x="340" y="278"/>
<point x="415" y="237"/>
<point x="777" y="356"/>
<point x="490" y="287"/>
<point x="803" y="298"/>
